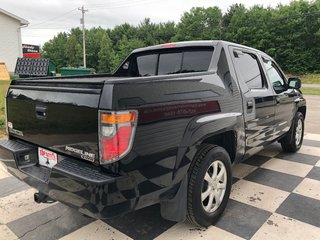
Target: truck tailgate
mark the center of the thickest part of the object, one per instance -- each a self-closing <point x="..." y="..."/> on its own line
<point x="57" y="114"/>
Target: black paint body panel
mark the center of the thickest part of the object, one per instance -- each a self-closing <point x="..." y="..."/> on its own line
<point x="176" y="114"/>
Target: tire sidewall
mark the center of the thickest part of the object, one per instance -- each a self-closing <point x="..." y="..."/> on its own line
<point x="299" y="115"/>
<point x="204" y="218"/>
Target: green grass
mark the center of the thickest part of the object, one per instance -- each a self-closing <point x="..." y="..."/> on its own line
<point x="3" y="91"/>
<point x="310" y="91"/>
<point x="310" y="78"/>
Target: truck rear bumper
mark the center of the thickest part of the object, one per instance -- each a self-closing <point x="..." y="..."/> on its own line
<point x="88" y="188"/>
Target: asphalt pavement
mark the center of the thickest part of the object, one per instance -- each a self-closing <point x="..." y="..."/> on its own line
<point x="312" y="124"/>
<point x="314" y="86"/>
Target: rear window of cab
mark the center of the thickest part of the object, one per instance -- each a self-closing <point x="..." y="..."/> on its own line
<point x="167" y="62"/>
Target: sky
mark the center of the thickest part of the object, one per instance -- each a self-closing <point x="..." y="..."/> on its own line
<point x="47" y="18"/>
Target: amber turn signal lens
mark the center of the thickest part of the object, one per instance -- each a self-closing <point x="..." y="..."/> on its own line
<point x="114" y="118"/>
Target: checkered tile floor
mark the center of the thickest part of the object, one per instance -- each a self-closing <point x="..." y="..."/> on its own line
<point x="274" y="196"/>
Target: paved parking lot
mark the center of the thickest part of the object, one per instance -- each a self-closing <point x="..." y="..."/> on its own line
<point x="274" y="196"/>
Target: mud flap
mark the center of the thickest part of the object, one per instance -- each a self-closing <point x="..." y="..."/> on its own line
<point x="175" y="209"/>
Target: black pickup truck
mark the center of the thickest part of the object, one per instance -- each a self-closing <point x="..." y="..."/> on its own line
<point x="165" y="128"/>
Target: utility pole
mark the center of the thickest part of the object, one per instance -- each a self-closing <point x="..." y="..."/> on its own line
<point x="83" y="11"/>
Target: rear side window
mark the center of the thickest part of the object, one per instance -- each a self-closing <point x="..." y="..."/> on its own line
<point x="167" y="62"/>
<point x="247" y="67"/>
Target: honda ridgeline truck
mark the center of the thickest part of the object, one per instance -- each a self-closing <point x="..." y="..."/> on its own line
<point x="165" y="128"/>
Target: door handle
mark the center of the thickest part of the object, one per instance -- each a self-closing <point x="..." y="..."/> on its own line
<point x="249" y="106"/>
<point x="41" y="112"/>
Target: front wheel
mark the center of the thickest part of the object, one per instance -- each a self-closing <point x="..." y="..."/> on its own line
<point x="293" y="140"/>
<point x="209" y="185"/>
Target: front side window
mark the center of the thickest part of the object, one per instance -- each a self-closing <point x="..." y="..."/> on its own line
<point x="248" y="69"/>
<point x="274" y="74"/>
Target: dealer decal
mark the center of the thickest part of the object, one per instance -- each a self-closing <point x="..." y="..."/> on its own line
<point x="14" y="131"/>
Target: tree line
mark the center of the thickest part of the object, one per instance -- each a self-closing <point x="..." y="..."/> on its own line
<point x="289" y="33"/>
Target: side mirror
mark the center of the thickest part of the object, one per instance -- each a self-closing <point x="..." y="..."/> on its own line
<point x="294" y="83"/>
<point x="279" y="87"/>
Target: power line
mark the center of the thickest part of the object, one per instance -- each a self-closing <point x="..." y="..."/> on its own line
<point x="123" y="5"/>
<point x="60" y="17"/>
<point x="60" y="23"/>
<point x="104" y="4"/>
<point x="51" y="27"/>
<point x="54" y="18"/>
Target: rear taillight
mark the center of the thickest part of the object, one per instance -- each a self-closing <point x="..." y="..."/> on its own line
<point x="116" y="133"/>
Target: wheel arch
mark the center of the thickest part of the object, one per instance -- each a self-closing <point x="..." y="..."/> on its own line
<point x="226" y="140"/>
<point x="303" y="110"/>
<point x="226" y="130"/>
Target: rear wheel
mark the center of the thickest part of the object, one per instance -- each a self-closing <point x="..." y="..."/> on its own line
<point x="209" y="185"/>
<point x="293" y="140"/>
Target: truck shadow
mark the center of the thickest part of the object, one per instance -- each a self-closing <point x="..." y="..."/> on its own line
<point x="145" y="223"/>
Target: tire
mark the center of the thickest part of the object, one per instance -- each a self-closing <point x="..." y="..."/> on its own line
<point x="293" y="140"/>
<point x="199" y="210"/>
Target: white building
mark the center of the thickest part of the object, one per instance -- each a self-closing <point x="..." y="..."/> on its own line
<point x="10" y="38"/>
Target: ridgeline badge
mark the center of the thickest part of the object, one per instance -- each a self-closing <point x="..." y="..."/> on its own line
<point x="83" y="154"/>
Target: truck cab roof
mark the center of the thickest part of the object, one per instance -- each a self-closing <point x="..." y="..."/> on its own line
<point x="199" y="43"/>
